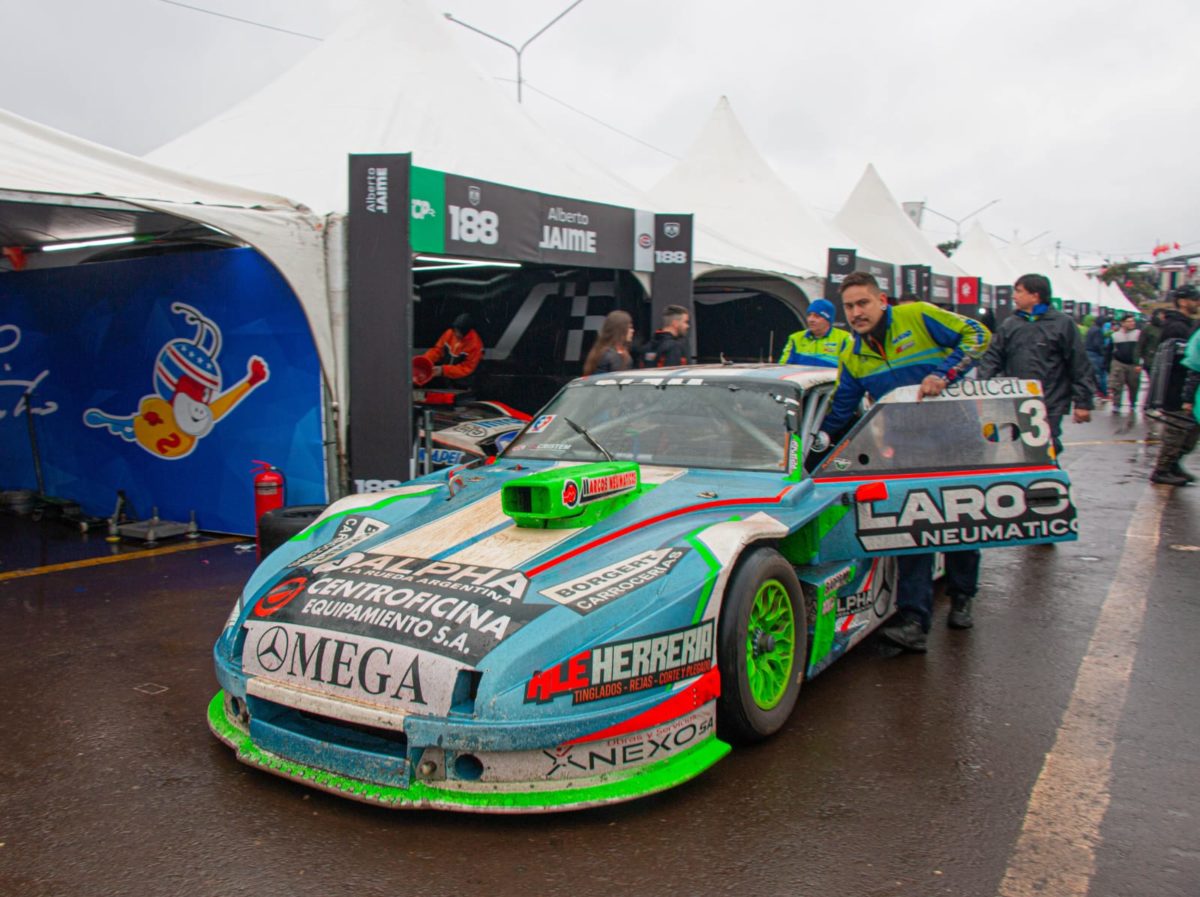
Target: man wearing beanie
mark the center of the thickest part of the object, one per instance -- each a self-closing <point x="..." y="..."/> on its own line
<point x="821" y="343"/>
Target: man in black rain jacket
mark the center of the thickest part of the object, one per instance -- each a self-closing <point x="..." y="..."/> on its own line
<point x="1037" y="342"/>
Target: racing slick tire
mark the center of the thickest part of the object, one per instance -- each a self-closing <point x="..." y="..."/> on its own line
<point x="761" y="647"/>
<point x="276" y="527"/>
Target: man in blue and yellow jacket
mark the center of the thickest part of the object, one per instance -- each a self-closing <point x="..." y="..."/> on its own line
<point x="916" y="344"/>
<point x="821" y="344"/>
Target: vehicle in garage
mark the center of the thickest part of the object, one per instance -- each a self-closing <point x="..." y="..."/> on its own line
<point x="648" y="573"/>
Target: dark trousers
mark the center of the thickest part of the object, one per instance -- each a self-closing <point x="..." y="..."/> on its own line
<point x="915" y="586"/>
<point x="1177" y="441"/>
<point x="1055" y="421"/>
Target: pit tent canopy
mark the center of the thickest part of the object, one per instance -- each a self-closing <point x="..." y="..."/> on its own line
<point x="87" y="191"/>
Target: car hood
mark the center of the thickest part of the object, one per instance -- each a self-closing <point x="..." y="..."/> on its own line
<point x="457" y="608"/>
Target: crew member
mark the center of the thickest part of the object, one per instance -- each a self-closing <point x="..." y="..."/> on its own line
<point x="457" y="354"/>
<point x="821" y="343"/>
<point x="668" y="347"/>
<point x="912" y="344"/>
<point x="1037" y="342"/>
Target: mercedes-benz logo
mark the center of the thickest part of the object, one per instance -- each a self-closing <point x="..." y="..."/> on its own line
<point x="272" y="648"/>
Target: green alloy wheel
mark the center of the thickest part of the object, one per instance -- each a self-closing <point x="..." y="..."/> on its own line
<point x="762" y="646"/>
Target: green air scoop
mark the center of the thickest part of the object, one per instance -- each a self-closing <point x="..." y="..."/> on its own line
<point x="571" y="497"/>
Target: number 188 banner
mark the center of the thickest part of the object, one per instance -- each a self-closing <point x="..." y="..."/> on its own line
<point x="459" y="216"/>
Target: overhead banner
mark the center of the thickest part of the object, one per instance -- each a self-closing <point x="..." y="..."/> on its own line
<point x="968" y="291"/>
<point x="844" y="261"/>
<point x="165" y="378"/>
<point x="1003" y="302"/>
<point x="884" y="272"/>
<point x="671" y="283"/>
<point x="1068" y="306"/>
<point x="941" y="290"/>
<point x="987" y="295"/>
<point x="461" y="216"/>
<point x="915" y="279"/>
<point x="379" y="322"/>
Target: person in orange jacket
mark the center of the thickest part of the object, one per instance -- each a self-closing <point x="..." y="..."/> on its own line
<point x="457" y="353"/>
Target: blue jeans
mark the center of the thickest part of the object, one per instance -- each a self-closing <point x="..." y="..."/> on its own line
<point x="915" y="585"/>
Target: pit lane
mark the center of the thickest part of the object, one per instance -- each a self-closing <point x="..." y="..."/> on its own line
<point x="897" y="775"/>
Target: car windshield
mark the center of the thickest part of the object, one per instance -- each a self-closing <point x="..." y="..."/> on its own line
<point x="692" y="422"/>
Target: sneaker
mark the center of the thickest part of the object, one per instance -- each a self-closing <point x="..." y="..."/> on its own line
<point x="1167" y="478"/>
<point x="960" y="612"/>
<point x="1180" y="471"/>
<point x="905" y="633"/>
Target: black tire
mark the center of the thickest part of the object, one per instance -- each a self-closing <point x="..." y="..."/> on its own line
<point x="740" y="718"/>
<point x="276" y="527"/>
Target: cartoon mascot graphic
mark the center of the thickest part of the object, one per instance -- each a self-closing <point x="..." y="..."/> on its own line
<point x="189" y="400"/>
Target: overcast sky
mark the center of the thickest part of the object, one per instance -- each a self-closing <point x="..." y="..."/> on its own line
<point x="1080" y="117"/>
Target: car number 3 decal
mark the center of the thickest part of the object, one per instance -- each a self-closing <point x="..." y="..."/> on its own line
<point x="1036" y="431"/>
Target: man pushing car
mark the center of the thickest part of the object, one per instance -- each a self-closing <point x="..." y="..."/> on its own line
<point x="915" y="344"/>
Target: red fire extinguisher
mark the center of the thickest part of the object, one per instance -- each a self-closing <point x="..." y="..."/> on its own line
<point x="268" y="496"/>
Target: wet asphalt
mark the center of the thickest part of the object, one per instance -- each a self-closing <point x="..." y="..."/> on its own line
<point x="897" y="775"/>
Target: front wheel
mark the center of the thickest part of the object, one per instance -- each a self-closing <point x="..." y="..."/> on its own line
<point x="762" y="644"/>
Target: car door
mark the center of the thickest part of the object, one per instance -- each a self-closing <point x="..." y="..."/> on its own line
<point x="973" y="468"/>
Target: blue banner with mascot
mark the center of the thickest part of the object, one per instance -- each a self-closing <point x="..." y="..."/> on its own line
<point x="164" y="377"/>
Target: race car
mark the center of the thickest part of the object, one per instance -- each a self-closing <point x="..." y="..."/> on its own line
<point x="466" y="432"/>
<point x="645" y="576"/>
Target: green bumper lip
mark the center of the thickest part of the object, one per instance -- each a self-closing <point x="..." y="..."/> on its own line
<point x="419" y="795"/>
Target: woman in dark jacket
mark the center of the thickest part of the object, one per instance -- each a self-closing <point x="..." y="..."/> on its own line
<point x="610" y="352"/>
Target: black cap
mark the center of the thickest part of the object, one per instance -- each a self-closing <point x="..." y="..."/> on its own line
<point x="462" y="323"/>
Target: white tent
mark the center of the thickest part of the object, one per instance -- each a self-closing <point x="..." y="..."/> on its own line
<point x="979" y="256"/>
<point x="1117" y="298"/>
<point x="872" y="217"/>
<point x="732" y="188"/>
<point x="101" y="192"/>
<point x="389" y="79"/>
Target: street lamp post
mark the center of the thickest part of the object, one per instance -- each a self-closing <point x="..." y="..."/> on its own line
<point x="958" y="222"/>
<point x="518" y="50"/>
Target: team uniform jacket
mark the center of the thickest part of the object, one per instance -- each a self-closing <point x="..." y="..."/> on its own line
<point x="458" y="355"/>
<point x="919" y="339"/>
<point x="804" y="348"/>
<point x="1044" y="345"/>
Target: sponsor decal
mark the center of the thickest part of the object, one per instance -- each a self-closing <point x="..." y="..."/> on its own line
<point x="649" y="746"/>
<point x="970" y="515"/>
<point x="280" y="594"/>
<point x="351" y="531"/>
<point x="445" y="457"/>
<point x="646" y="241"/>
<point x="672" y="229"/>
<point x="607" y="486"/>
<point x="837" y="580"/>
<point x="474" y="430"/>
<point x="422" y="208"/>
<point x="570" y="494"/>
<point x="474" y="195"/>
<point x="595" y="589"/>
<point x="620" y="668"/>
<point x="352" y="667"/>
<point x="874" y="593"/>
<point x="541" y="423"/>
<point x="460" y="611"/>
<point x="983" y="389"/>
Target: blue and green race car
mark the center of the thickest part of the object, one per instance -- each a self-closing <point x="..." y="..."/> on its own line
<point x="646" y="574"/>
